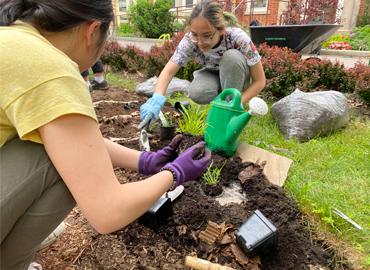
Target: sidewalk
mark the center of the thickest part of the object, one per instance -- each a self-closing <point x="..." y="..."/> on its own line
<point x="347" y="58"/>
<point x="142" y="43"/>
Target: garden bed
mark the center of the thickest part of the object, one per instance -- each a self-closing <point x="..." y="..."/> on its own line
<point x="138" y="247"/>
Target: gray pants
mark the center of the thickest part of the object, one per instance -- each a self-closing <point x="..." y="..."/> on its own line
<point x="33" y="201"/>
<point x="207" y="84"/>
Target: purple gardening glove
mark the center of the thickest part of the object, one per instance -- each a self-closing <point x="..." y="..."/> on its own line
<point x="186" y="167"/>
<point x="152" y="162"/>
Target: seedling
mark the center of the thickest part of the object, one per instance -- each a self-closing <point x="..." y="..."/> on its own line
<point x="212" y="175"/>
<point x="193" y="120"/>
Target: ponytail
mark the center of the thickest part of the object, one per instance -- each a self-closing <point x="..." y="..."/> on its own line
<point x="10" y="11"/>
<point x="230" y="19"/>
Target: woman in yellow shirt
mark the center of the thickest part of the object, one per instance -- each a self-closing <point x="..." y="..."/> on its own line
<point x="51" y="150"/>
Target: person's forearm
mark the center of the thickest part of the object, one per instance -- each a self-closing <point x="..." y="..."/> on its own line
<point x="125" y="203"/>
<point x="253" y="90"/>
<point x="122" y="156"/>
<point x="164" y="79"/>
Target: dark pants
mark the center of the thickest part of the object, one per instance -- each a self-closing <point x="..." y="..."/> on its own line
<point x="98" y="67"/>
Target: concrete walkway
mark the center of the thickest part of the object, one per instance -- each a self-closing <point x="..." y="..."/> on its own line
<point x="347" y="58"/>
<point x="142" y="43"/>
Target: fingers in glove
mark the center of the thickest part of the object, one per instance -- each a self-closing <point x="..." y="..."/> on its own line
<point x="146" y="121"/>
<point x="197" y="149"/>
<point x="176" y="141"/>
<point x="206" y="159"/>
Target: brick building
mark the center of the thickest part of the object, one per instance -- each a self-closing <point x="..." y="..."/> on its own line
<point x="266" y="12"/>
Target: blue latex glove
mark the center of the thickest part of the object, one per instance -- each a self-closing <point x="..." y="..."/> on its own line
<point x="152" y="107"/>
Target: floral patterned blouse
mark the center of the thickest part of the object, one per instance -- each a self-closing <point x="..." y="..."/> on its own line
<point x="234" y="38"/>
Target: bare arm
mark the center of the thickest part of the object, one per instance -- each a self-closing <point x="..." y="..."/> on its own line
<point x="258" y="83"/>
<point x="122" y="156"/>
<point x="78" y="151"/>
<point x="168" y="72"/>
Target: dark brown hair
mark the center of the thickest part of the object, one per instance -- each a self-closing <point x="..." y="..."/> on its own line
<point x="211" y="11"/>
<point x="57" y="15"/>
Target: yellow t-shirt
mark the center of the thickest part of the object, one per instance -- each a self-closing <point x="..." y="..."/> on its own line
<point x="38" y="83"/>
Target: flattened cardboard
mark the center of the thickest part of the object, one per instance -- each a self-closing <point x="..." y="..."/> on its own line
<point x="276" y="168"/>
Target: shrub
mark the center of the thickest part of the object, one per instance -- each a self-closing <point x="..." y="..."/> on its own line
<point x="125" y="29"/>
<point x="152" y="18"/>
<point x="129" y="58"/>
<point x="361" y="75"/>
<point x="333" y="77"/>
<point x="286" y="70"/>
<point x="158" y="56"/>
<point x="282" y="69"/>
<point x="112" y="56"/>
<point x="360" y="38"/>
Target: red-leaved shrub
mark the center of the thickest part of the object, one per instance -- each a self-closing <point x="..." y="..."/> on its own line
<point x="361" y="76"/>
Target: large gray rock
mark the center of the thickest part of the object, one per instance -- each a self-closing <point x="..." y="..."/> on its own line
<point x="306" y="115"/>
<point x="176" y="85"/>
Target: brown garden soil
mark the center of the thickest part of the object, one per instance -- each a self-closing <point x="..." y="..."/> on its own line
<point x="139" y="247"/>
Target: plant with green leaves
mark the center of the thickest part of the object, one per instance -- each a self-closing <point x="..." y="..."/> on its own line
<point x="151" y="18"/>
<point x="212" y="175"/>
<point x="193" y="120"/>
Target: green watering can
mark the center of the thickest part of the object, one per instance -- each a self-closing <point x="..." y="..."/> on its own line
<point x="226" y="119"/>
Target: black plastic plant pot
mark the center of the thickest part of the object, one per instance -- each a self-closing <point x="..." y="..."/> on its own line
<point x="256" y="235"/>
<point x="167" y="133"/>
<point x="180" y="105"/>
<point x="158" y="214"/>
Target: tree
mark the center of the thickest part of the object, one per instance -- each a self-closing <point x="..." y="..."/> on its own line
<point x="310" y="11"/>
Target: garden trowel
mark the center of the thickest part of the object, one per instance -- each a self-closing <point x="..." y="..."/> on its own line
<point x="143" y="137"/>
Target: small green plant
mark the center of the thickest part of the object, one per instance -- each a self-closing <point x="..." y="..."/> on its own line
<point x="193" y="120"/>
<point x="212" y="175"/>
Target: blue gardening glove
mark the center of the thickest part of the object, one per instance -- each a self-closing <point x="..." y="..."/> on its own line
<point x="187" y="167"/>
<point x="152" y="162"/>
<point x="149" y="111"/>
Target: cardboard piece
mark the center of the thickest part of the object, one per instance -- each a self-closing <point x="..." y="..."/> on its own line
<point x="276" y="168"/>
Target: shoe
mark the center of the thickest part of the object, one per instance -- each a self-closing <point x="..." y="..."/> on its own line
<point x="99" y="86"/>
<point x="53" y="236"/>
<point x="34" y="266"/>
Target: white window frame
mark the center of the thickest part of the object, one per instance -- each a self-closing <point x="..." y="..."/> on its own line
<point x="257" y="10"/>
<point x="184" y="4"/>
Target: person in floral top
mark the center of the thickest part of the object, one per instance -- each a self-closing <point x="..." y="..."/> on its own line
<point x="227" y="54"/>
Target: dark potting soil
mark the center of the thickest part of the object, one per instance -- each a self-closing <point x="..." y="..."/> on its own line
<point x="138" y="247"/>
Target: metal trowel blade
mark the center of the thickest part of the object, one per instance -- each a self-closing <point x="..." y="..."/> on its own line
<point x="144" y="141"/>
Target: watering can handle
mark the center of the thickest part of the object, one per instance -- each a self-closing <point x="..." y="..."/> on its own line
<point x="236" y="100"/>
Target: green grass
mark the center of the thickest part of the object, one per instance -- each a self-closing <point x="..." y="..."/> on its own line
<point x="328" y="172"/>
<point x="119" y="80"/>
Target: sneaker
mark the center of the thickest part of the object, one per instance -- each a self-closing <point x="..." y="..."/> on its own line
<point x="99" y="86"/>
<point x="34" y="266"/>
<point x="53" y="236"/>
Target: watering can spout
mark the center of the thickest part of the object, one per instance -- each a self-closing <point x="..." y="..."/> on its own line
<point x="236" y="125"/>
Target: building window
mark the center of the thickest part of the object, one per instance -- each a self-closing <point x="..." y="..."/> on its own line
<point x="258" y="6"/>
<point x="122" y="6"/>
<point x="189" y="3"/>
